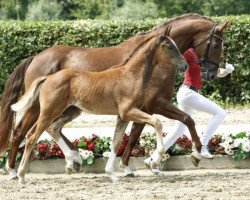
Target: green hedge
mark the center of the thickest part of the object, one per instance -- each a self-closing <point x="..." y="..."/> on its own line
<point x="21" y="39"/>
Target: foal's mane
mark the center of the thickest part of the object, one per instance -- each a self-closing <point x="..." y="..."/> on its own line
<point x="149" y="55"/>
<point x="175" y="19"/>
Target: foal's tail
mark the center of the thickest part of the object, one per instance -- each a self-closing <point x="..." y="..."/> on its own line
<point x="12" y="90"/>
<point x="30" y="96"/>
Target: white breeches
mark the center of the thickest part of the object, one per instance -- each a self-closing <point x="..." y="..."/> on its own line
<point x="189" y="100"/>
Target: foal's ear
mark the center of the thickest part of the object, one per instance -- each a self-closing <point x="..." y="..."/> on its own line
<point x="222" y="26"/>
<point x="167" y="31"/>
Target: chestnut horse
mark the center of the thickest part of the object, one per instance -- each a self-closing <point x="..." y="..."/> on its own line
<point x="187" y="30"/>
<point x="117" y="91"/>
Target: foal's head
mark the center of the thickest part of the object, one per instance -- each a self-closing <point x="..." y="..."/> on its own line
<point x="169" y="54"/>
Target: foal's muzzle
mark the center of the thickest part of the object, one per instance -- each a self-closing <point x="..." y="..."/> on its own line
<point x="183" y="67"/>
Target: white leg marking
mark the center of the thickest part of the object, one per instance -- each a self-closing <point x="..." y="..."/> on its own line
<point x="126" y="169"/>
<point x="11" y="171"/>
<point x="69" y="154"/>
<point x="110" y="167"/>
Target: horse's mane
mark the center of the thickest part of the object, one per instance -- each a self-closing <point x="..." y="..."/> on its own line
<point x="181" y="17"/>
<point x="133" y="52"/>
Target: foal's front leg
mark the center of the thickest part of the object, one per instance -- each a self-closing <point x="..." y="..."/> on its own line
<point x="71" y="153"/>
<point x="117" y="139"/>
<point x="139" y="116"/>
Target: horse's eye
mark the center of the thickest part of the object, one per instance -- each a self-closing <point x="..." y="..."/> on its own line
<point x="216" y="46"/>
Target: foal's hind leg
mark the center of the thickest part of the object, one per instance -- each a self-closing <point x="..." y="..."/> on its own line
<point x="46" y="117"/>
<point x="31" y="138"/>
<point x="18" y="135"/>
<point x="72" y="156"/>
<point x="117" y="139"/>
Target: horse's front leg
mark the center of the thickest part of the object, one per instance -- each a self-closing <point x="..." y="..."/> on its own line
<point x="168" y="110"/>
<point x="120" y="128"/>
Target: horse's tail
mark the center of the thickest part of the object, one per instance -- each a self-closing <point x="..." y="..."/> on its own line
<point x="30" y="96"/>
<point x="12" y="90"/>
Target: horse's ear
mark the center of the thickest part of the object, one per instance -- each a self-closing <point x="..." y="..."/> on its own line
<point x="221" y="27"/>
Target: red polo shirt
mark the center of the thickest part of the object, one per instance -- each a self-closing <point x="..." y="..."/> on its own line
<point x="192" y="74"/>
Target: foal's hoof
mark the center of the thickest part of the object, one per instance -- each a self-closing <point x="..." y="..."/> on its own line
<point x="112" y="175"/>
<point x="149" y="163"/>
<point x="195" y="161"/>
<point x="76" y="165"/>
<point x="21" y="182"/>
<point x="68" y="171"/>
<point x="130" y="175"/>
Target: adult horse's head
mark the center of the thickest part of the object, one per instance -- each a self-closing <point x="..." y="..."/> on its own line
<point x="169" y="53"/>
<point x="208" y="47"/>
<point x="198" y="32"/>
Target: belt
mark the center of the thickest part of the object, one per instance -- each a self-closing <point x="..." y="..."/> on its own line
<point x="190" y="87"/>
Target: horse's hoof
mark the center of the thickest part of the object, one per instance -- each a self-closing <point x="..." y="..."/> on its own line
<point x="68" y="171"/>
<point x="130" y="175"/>
<point x="195" y="161"/>
<point x="13" y="177"/>
<point x="76" y="165"/>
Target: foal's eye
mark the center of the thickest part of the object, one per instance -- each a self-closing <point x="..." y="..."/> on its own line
<point x="169" y="46"/>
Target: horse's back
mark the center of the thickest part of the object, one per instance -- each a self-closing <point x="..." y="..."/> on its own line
<point x="60" y="57"/>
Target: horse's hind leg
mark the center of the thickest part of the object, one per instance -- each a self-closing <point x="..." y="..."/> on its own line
<point x="18" y="135"/>
<point x="117" y="139"/>
<point x="71" y="155"/>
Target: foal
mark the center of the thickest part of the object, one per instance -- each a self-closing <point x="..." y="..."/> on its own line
<point x="117" y="91"/>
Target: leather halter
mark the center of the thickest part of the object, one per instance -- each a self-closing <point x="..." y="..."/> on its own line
<point x="205" y="59"/>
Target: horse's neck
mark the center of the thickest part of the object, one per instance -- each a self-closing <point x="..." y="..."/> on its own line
<point x="132" y="43"/>
<point x="184" y="31"/>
